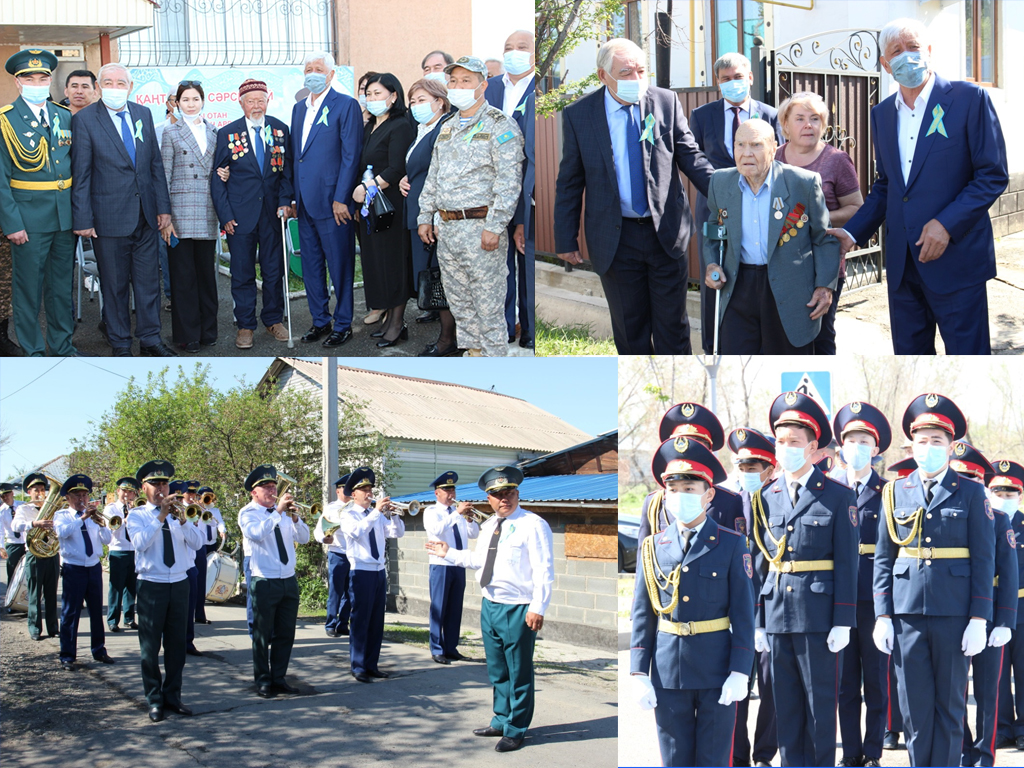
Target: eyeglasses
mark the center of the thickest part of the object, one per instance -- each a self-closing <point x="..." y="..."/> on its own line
<point x="190" y="83"/>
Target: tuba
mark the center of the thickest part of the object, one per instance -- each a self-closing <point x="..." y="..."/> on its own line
<point x="307" y="512"/>
<point x="43" y="543"/>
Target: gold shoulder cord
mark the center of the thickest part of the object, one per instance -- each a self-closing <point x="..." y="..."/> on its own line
<point x="654" y="512"/>
<point x="35" y="160"/>
<point x="759" y="516"/>
<point x="914" y="519"/>
<point x="652" y="572"/>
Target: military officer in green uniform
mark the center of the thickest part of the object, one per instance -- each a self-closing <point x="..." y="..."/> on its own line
<point x="35" y="204"/>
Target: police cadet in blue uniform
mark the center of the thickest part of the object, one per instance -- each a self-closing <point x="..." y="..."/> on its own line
<point x="864" y="433"/>
<point x="934" y="565"/>
<point x="755" y="459"/>
<point x="693" y="421"/>
<point x="805" y="531"/>
<point x="693" y="614"/>
<point x="970" y="464"/>
<point x="1005" y="485"/>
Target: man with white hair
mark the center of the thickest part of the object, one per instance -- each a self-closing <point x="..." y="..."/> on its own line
<point x="327" y="142"/>
<point x="120" y="199"/>
<point x="941" y="164"/>
<point x="624" y="145"/>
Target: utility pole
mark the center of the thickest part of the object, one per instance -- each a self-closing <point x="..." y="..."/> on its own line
<point x="329" y="394"/>
<point x="711" y="363"/>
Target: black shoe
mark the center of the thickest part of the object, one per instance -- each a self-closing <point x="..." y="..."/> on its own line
<point x="337" y="338"/>
<point x="316" y="332"/>
<point x="178" y="707"/>
<point x="203" y="621"/>
<point x="377" y="673"/>
<point x="122" y="352"/>
<point x="283" y="688"/>
<point x="156" y="714"/>
<point x="429" y="317"/>
<point x="508" y="744"/>
<point x="440" y="659"/>
<point x="192" y="346"/>
<point x="157" y="350"/>
<point x="343" y="632"/>
<point x="377" y="334"/>
<point x="457" y="657"/>
<point x="488" y="731"/>
<point x="265" y="692"/>
<point x="526" y="342"/>
<point x="362" y="677"/>
<point x="133" y="625"/>
<point x="1005" y="743"/>
<point x="193" y="651"/>
<point x="114" y="628"/>
<point x="68" y="665"/>
<point x="433" y="351"/>
<point x="891" y="740"/>
<point x="851" y="762"/>
<point x="105" y="659"/>
<point x="333" y="633"/>
<point x="402" y="336"/>
<point x="1020" y="742"/>
<point x="762" y="764"/>
<point x="209" y="343"/>
<point x="512" y="339"/>
<point x="872" y="763"/>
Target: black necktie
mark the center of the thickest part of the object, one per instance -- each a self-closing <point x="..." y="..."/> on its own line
<point x="455" y="530"/>
<point x="796" y="492"/>
<point x="687" y="535"/>
<point x="856" y="489"/>
<point x="735" y="126"/>
<point x="928" y="491"/>
<point x="168" y="544"/>
<point x="492" y="553"/>
<point x="125" y="522"/>
<point x="373" y="540"/>
<point x="281" y="551"/>
<point x="42" y="118"/>
<point x="88" y="539"/>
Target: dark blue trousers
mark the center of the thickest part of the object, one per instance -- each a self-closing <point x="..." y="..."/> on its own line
<point x="521" y="269"/>
<point x="193" y="592"/>
<point x="1010" y="723"/>
<point x="248" y="592"/>
<point x="325" y="242"/>
<point x="366" y="623"/>
<point x="338" y="604"/>
<point x="447" y="588"/>
<point x="766" y="740"/>
<point x="805" y="683"/>
<point x="693" y="728"/>
<point x="982" y="744"/>
<point x="264" y="244"/>
<point x="894" y="718"/>
<point x="121" y="592"/>
<point x="863" y="661"/>
<point x="932" y="672"/>
<point x="81" y="583"/>
<point x="199" y="612"/>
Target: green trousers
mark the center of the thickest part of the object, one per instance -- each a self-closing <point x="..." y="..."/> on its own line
<point x="14" y="554"/>
<point x="43" y="275"/>
<point x="508" y="643"/>
<point x="275" y="609"/>
<point x="41" y="576"/>
<point x="162" y="617"/>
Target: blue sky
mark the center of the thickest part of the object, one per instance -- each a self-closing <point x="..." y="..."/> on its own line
<point x="66" y="394"/>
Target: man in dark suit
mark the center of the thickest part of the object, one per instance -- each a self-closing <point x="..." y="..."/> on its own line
<point x="940" y="148"/>
<point x="120" y="199"/>
<point x="327" y="142"/>
<point x="624" y="145"/>
<point x="714" y="127"/>
<point x="513" y="93"/>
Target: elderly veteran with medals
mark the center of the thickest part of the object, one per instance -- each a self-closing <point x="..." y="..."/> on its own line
<point x="514" y="556"/>
<point x="693" y="614"/>
<point x="934" y="565"/>
<point x="777" y="267"/>
<point x="35" y="205"/>
<point x="121" y="557"/>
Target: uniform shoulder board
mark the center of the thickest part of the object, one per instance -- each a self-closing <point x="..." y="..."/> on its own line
<point x="840" y="483"/>
<point x="723" y="529"/>
<point x="720" y="489"/>
<point x="6" y="108"/>
<point x="497" y="114"/>
<point x="62" y="106"/>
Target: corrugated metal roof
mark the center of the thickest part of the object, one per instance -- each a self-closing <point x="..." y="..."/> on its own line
<point x="420" y="409"/>
<point x="604" y="487"/>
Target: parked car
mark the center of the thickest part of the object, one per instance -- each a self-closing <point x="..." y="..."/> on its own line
<point x="629" y="527"/>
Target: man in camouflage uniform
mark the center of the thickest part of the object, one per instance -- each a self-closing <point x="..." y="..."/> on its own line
<point x="479" y="156"/>
<point x="35" y="204"/>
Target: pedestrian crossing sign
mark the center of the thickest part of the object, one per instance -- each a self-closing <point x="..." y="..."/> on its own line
<point x="815" y="384"/>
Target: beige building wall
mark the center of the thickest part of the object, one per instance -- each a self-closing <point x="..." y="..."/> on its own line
<point x="9" y="90"/>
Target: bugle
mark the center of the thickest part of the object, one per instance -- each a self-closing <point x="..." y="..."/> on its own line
<point x="474" y="515"/>
<point x="397" y="508"/>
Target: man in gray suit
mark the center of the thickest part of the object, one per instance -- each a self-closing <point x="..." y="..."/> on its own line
<point x="623" y="145"/>
<point x="120" y="199"/>
<point x="780" y="265"/>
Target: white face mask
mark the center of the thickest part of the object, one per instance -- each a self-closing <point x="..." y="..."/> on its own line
<point x="115" y="98"/>
<point x="462" y="98"/>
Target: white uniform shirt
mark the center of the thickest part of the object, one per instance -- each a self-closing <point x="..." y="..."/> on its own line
<point x="208" y="534"/>
<point x="68" y="526"/>
<point x="148" y="540"/>
<point x="440" y="522"/>
<point x="119" y="539"/>
<point x="358" y="526"/>
<point x="258" y="525"/>
<point x="215" y="511"/>
<point x="910" y="123"/>
<point x="333" y="510"/>
<point x="24" y="515"/>
<point x="6" y="522"/>
<point x="524" y="569"/>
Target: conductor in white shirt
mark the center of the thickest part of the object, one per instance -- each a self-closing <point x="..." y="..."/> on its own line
<point x="514" y="558"/>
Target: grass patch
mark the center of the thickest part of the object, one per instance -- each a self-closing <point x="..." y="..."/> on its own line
<point x="400" y="633"/>
<point x="631" y="500"/>
<point x="570" y="340"/>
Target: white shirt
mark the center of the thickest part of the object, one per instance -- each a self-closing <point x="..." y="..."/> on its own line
<point x="258" y="525"/>
<point x="332" y="512"/>
<point x="440" y="523"/>
<point x="68" y="526"/>
<point x="215" y="511"/>
<point x="852" y="479"/>
<point x="910" y="123"/>
<point x="358" y="527"/>
<point x="312" y="107"/>
<point x="148" y="539"/>
<point x="695" y="529"/>
<point x="6" y="520"/>
<point x="744" y="116"/>
<point x="209" y="536"/>
<point x="24" y="515"/>
<point x="937" y="479"/>
<point x="198" y="130"/>
<point x="119" y="539"/>
<point x="524" y="568"/>
<point x="514" y="92"/>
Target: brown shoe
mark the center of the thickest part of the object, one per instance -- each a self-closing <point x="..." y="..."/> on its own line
<point x="376" y="315"/>
<point x="244" y="339"/>
<point x="278" y="331"/>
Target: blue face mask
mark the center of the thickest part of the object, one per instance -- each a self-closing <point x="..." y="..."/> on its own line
<point x="750" y="481"/>
<point x="790" y="459"/>
<point x="362" y="101"/>
<point x="377" y="108"/>
<point x="684" y="506"/>
<point x="909" y="69"/>
<point x="422" y="113"/>
<point x="930" y="458"/>
<point x="630" y="91"/>
<point x="1007" y="506"/>
<point x="517" y="62"/>
<point x="35" y="94"/>
<point x="856" y="456"/>
<point x="735" y="91"/>
<point x="316" y="82"/>
<point x="440" y="77"/>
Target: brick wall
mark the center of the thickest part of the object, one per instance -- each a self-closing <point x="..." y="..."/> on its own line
<point x="1008" y="212"/>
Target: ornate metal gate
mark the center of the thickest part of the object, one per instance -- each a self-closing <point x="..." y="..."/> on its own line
<point x="843" y="67"/>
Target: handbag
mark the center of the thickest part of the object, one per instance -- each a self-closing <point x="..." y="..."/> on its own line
<point x="381" y="213"/>
<point x="431" y="291"/>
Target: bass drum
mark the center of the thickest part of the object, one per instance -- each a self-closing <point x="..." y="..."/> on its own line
<point x="221" y="577"/>
<point x="17" y="591"/>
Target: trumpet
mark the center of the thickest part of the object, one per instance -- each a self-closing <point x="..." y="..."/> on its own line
<point x="114" y="522"/>
<point x="474" y="515"/>
<point x="183" y="512"/>
<point x="140" y="502"/>
<point x="306" y="512"/>
<point x="398" y="508"/>
<point x="208" y="499"/>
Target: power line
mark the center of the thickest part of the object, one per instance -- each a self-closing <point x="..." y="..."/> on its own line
<point x="37" y="378"/>
<point x="112" y="373"/>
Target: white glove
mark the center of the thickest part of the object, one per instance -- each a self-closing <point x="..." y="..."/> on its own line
<point x="838" y="639"/>
<point x="974" y="638"/>
<point x="761" y="643"/>
<point x="645" y="695"/>
<point x="734" y="688"/>
<point x="883" y="635"/>
<point x="1000" y="636"/>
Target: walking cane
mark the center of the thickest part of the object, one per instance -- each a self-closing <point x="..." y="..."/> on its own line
<point x="717" y="233"/>
<point x="287" y="300"/>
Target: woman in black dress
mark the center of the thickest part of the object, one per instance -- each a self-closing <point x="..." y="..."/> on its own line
<point x="385" y="256"/>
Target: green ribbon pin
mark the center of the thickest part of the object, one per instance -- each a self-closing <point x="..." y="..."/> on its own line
<point x="56" y="126"/>
<point x="937" y="115"/>
<point x="648" y="133"/>
<point x="323" y="116"/>
<point x="521" y="109"/>
<point x="267" y="136"/>
<point x="138" y="130"/>
<point x="474" y="131"/>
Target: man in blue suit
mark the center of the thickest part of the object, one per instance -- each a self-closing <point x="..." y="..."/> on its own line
<point x="941" y="163"/>
<point x="513" y="94"/>
<point x="249" y="205"/>
<point x="693" y="615"/>
<point x="120" y="199"/>
<point x="624" y="145"/>
<point x="327" y="142"/>
<point x="934" y="565"/>
<point x="714" y="128"/>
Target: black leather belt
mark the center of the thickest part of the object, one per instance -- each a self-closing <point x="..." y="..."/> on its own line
<point x="644" y="220"/>
<point x="755" y="267"/>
